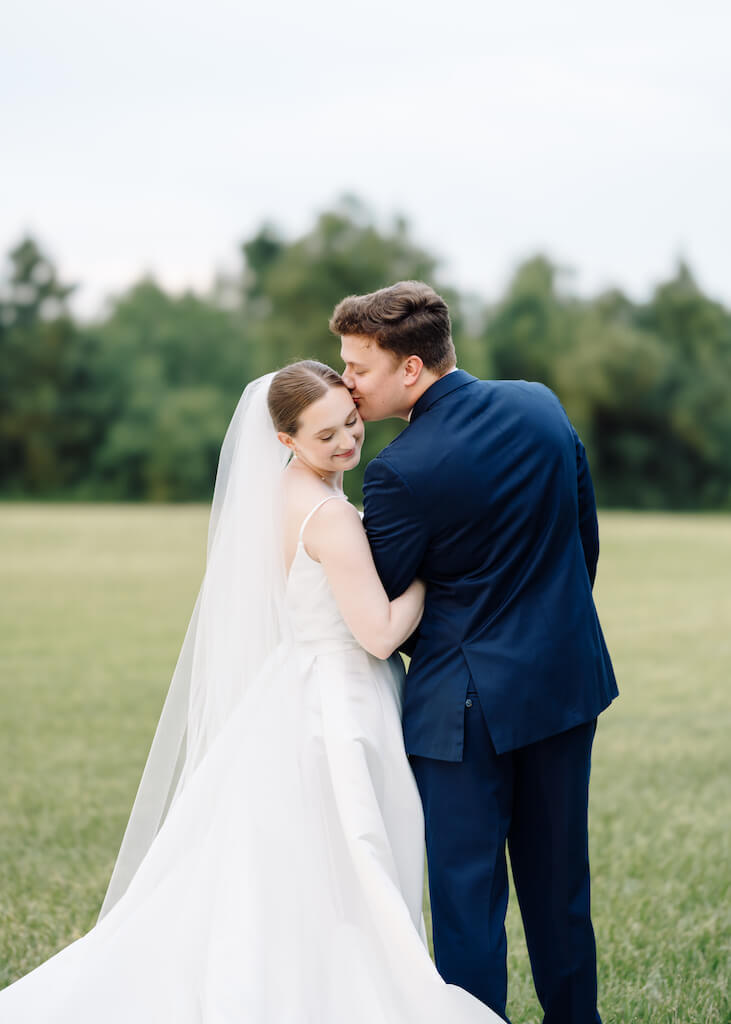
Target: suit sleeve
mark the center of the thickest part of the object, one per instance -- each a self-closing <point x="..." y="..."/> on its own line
<point x="396" y="532"/>
<point x="588" y="523"/>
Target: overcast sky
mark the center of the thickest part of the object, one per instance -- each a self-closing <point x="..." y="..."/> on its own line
<point x="157" y="134"/>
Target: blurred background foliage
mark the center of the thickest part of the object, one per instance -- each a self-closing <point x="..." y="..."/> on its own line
<point x="134" y="405"/>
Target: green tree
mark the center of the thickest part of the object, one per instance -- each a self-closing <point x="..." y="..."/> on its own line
<point x="648" y="386"/>
<point x="172" y="369"/>
<point x="135" y="405"/>
<point x="695" y="331"/>
<point x="610" y="383"/>
<point x="532" y="327"/>
<point x="291" y="288"/>
<point x="44" y="442"/>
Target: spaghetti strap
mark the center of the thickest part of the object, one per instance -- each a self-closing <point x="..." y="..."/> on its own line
<point x="312" y="511"/>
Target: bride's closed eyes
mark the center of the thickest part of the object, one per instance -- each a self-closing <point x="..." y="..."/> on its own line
<point x="351" y="422"/>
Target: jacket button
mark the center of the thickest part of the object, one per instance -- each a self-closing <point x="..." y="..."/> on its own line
<point x="468" y="702"/>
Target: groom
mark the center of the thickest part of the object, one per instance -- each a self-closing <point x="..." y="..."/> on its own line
<point x="486" y="496"/>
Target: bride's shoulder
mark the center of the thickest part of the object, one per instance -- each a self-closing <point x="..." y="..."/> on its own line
<point x="334" y="525"/>
<point x="337" y="510"/>
<point x="302" y="496"/>
<point x="333" y="520"/>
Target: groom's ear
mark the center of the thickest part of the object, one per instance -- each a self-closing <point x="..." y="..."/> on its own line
<point x="412" y="369"/>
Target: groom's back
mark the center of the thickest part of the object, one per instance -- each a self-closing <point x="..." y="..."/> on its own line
<point x="490" y="499"/>
<point x="498" y="483"/>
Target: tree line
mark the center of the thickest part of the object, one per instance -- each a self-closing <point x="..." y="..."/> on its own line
<point x="134" y="405"/>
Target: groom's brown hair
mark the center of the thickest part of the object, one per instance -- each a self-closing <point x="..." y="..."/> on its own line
<point x="406" y="319"/>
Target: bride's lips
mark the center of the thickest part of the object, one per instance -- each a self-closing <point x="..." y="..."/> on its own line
<point x="345" y="455"/>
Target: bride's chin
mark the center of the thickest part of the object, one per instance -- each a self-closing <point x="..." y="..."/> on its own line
<point x="351" y="463"/>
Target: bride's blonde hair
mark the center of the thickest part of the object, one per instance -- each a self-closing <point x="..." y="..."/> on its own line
<point x="296" y="387"/>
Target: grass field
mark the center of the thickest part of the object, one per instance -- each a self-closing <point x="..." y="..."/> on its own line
<point x="95" y="600"/>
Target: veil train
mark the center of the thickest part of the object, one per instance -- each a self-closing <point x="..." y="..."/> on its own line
<point x="237" y="621"/>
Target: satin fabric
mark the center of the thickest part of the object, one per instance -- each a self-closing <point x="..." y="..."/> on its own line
<point x="285" y="885"/>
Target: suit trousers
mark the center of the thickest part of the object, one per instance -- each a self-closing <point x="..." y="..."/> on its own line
<point x="535" y="799"/>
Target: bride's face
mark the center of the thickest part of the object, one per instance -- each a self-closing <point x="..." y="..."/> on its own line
<point x="330" y="433"/>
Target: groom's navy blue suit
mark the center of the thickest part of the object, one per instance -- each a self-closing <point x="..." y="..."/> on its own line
<point x="487" y="497"/>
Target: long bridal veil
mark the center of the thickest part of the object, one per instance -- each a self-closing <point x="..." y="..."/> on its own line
<point x="237" y="622"/>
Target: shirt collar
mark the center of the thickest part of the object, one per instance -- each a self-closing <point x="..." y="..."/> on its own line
<point x="439" y="389"/>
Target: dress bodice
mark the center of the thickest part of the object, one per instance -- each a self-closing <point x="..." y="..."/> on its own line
<point x="314" y="614"/>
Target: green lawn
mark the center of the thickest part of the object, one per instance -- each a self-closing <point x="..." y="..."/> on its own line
<point x="95" y="600"/>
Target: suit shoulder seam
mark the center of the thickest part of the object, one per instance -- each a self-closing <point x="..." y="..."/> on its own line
<point x="382" y="458"/>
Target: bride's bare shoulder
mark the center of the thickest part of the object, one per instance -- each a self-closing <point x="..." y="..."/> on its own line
<point x="301" y="494"/>
<point x="334" y="524"/>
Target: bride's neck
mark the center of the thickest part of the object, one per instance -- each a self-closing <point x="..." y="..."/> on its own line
<point x="332" y="480"/>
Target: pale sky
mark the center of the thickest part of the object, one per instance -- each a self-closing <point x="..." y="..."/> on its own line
<point x="152" y="135"/>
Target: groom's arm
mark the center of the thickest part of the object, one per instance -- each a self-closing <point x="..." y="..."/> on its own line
<point x="588" y="522"/>
<point x="396" y="534"/>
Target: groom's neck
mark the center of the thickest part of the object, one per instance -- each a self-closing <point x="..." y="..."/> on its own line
<point x="427" y="378"/>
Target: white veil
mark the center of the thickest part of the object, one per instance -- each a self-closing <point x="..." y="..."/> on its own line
<point x="237" y="621"/>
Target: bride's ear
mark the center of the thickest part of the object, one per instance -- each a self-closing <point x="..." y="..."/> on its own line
<point x="286" y="439"/>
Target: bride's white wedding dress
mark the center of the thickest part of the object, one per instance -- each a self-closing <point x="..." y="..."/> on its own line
<point x="285" y="884"/>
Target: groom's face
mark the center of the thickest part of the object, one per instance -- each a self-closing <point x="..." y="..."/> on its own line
<point x="374" y="378"/>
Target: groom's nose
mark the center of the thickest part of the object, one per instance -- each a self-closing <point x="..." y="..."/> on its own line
<point x="349" y="382"/>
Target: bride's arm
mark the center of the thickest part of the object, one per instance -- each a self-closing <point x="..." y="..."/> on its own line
<point x="335" y="537"/>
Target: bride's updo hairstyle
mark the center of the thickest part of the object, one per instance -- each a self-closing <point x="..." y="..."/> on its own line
<point x="296" y="387"/>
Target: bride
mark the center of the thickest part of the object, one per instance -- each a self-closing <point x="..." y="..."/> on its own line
<point x="271" y="871"/>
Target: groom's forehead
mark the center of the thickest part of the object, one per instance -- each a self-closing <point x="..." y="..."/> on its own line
<point x="353" y="347"/>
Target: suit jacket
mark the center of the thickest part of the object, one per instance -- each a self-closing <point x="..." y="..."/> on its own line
<point x="487" y="496"/>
